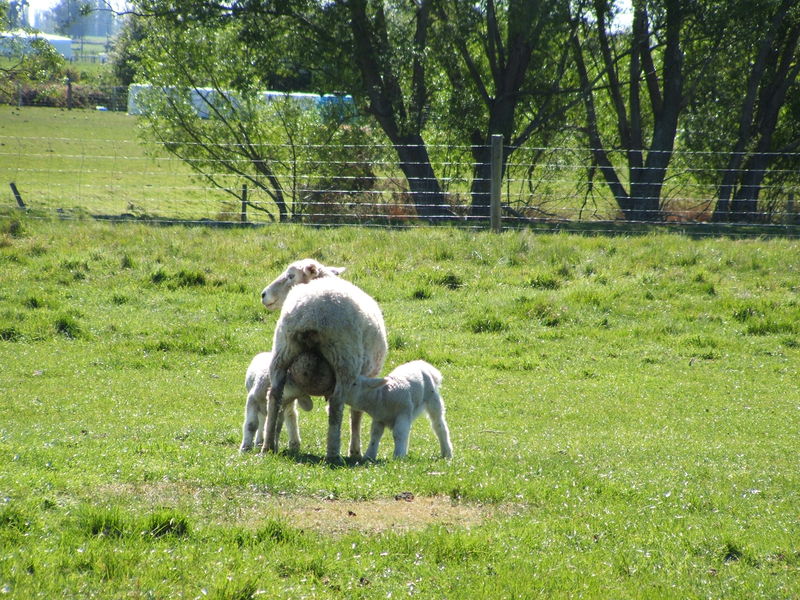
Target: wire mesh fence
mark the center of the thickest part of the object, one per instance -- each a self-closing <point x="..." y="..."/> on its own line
<point x="126" y="178"/>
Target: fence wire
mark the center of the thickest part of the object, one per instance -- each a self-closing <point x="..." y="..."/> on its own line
<point x="558" y="186"/>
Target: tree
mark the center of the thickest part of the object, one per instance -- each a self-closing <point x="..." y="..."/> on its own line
<point x="125" y="54"/>
<point x="25" y="61"/>
<point x="79" y="18"/>
<point x="390" y="49"/>
<point x="743" y="105"/>
<point x="375" y="51"/>
<point x="204" y="106"/>
<point x="15" y="14"/>
<point x="506" y="63"/>
<point x="643" y="85"/>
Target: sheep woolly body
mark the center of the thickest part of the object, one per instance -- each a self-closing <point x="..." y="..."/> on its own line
<point x="396" y="400"/>
<point x="345" y="325"/>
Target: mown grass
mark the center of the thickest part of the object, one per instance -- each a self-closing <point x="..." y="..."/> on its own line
<point x="624" y="413"/>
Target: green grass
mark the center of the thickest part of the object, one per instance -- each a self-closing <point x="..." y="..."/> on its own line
<point x="624" y="414"/>
<point x="92" y="162"/>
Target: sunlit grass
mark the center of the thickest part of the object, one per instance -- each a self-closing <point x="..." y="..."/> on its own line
<point x="84" y="161"/>
<point x="624" y="414"/>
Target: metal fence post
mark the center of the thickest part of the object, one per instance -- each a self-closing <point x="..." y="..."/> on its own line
<point x="496" y="181"/>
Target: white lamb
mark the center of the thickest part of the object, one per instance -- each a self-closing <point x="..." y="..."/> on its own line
<point x="256" y="382"/>
<point x="309" y="375"/>
<point x="341" y="322"/>
<point x="396" y="400"/>
<point x="255" y="410"/>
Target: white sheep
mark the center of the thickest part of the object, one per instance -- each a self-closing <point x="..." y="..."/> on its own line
<point x="341" y="322"/>
<point x="255" y="411"/>
<point x="396" y="400"/>
<point x="299" y="272"/>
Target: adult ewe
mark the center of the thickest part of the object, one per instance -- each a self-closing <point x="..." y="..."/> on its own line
<point x="341" y="322"/>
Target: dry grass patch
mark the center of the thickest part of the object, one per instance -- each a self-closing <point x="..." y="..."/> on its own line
<point x="327" y="516"/>
<point x="337" y="517"/>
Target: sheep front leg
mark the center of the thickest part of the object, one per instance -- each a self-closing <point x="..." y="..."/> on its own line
<point x="355" y="434"/>
<point x="376" y="432"/>
<point x="253" y="421"/>
<point x="274" y="401"/>
<point x="401" y="432"/>
<point x="255" y="413"/>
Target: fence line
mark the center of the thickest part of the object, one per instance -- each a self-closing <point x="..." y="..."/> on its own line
<point x="123" y="178"/>
<point x="460" y="147"/>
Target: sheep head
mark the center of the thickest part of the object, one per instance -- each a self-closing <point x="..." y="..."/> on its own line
<point x="301" y="271"/>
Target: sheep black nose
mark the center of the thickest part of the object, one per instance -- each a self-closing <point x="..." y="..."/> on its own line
<point x="263" y="294"/>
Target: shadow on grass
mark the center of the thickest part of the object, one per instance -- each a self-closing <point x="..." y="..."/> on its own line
<point x="304" y="458"/>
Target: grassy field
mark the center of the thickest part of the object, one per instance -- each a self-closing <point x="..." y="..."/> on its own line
<point x="92" y="162"/>
<point x="624" y="413"/>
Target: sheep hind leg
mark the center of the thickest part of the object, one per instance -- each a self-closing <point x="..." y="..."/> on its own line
<point x="335" y="413"/>
<point x="401" y="430"/>
<point x="292" y="428"/>
<point x="435" y="411"/>
<point x="346" y="369"/>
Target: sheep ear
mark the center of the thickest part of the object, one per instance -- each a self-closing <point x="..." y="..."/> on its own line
<point x="311" y="270"/>
<point x="337" y="270"/>
<point x="373" y="382"/>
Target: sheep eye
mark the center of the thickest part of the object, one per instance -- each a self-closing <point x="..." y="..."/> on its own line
<point x="290" y="276"/>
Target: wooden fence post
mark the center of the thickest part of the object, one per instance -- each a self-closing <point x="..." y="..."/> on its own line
<point x="244" y="203"/>
<point x="496" y="182"/>
<point x="17" y="195"/>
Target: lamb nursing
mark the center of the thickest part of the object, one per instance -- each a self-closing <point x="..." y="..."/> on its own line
<point x="310" y="369"/>
<point x="396" y="400"/>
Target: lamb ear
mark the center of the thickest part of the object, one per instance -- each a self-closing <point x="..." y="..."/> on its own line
<point x="374" y="382"/>
<point x="337" y="270"/>
<point x="311" y="270"/>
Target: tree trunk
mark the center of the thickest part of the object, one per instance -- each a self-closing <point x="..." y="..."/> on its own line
<point x="744" y="205"/>
<point x="401" y="118"/>
<point x="481" y="182"/>
<point x="740" y="187"/>
<point x="642" y="201"/>
<point x="422" y="182"/>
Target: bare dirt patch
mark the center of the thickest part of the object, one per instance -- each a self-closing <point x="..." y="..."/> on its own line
<point x="337" y="517"/>
<point x="404" y="512"/>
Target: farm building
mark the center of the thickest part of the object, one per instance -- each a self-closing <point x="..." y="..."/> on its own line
<point x="19" y="41"/>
